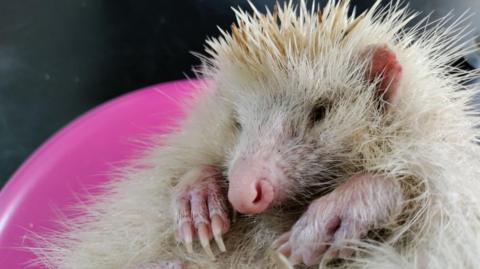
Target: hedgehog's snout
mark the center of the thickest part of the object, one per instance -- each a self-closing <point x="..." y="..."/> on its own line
<point x="251" y="198"/>
<point x="253" y="185"/>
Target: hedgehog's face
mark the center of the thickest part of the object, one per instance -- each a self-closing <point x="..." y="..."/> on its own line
<point x="294" y="143"/>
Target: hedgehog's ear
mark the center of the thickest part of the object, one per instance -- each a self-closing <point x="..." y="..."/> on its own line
<point x="383" y="67"/>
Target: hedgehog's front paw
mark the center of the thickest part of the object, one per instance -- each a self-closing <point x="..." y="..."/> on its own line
<point x="333" y="222"/>
<point x="315" y="234"/>
<point x="200" y="206"/>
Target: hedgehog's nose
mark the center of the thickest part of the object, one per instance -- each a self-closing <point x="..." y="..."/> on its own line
<point x="250" y="196"/>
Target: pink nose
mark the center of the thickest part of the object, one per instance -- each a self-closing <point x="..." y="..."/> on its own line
<point x="251" y="196"/>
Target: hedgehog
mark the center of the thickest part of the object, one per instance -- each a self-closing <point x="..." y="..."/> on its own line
<point x="318" y="139"/>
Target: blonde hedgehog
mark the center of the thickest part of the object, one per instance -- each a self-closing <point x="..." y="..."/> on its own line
<point x="340" y="141"/>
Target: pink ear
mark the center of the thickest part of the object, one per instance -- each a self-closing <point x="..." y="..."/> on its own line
<point x="384" y="64"/>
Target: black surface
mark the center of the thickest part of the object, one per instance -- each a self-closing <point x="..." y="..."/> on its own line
<point x="61" y="58"/>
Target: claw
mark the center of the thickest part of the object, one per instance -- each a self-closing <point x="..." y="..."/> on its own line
<point x="205" y="241"/>
<point x="284" y="263"/>
<point x="217" y="229"/>
<point x="285" y="249"/>
<point x="281" y="240"/>
<point x="295" y="258"/>
<point x="187" y="235"/>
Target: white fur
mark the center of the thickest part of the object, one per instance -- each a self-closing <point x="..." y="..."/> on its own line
<point x="426" y="140"/>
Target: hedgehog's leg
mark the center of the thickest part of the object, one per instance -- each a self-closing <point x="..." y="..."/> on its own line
<point x="200" y="208"/>
<point x="336" y="220"/>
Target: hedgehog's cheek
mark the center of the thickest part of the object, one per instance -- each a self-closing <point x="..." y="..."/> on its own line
<point x="252" y="186"/>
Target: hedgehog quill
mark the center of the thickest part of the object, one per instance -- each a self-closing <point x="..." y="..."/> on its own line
<point x="340" y="141"/>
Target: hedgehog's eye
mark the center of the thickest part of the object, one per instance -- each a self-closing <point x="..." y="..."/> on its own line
<point x="318" y="113"/>
<point x="237" y="125"/>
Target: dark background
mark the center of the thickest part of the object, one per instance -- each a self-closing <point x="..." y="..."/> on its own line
<point x="59" y="58"/>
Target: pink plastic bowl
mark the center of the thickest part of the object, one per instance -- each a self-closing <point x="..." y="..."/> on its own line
<point x="78" y="156"/>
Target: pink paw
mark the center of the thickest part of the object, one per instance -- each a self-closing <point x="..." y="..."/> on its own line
<point x="335" y="220"/>
<point x="200" y="209"/>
